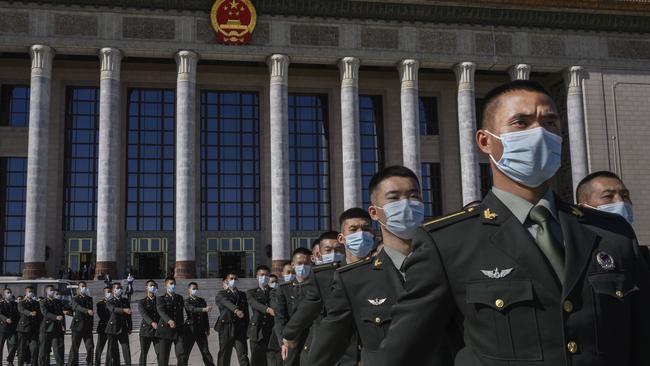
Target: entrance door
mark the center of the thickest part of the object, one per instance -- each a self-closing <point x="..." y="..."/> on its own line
<point x="149" y="265"/>
<point x="149" y="257"/>
<point x="232" y="262"/>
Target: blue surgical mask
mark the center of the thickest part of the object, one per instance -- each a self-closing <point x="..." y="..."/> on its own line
<point x="332" y="257"/>
<point x="171" y="288"/>
<point x="273" y="285"/>
<point x="263" y="280"/>
<point x="193" y="292"/>
<point x="108" y="295"/>
<point x="118" y="292"/>
<point x="288" y="277"/>
<point x="153" y="289"/>
<point x="232" y="284"/>
<point x="302" y="270"/>
<point x="360" y="243"/>
<point x="620" y="208"/>
<point x="530" y="157"/>
<point x="403" y="217"/>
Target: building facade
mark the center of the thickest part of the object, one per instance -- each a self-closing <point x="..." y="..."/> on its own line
<point x="131" y="140"/>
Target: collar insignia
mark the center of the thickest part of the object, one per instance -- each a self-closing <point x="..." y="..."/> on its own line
<point x="489" y="214"/>
<point x="377" y="262"/>
<point x="377" y="301"/>
<point x="576" y="212"/>
<point x="496" y="273"/>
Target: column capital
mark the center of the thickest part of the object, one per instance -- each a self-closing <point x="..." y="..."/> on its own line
<point x="408" y="73"/>
<point x="349" y="69"/>
<point x="573" y="77"/>
<point x="186" y="65"/>
<point x="279" y="68"/>
<point x="465" y="75"/>
<point x="111" y="60"/>
<point x="41" y="60"/>
<point x="519" y="72"/>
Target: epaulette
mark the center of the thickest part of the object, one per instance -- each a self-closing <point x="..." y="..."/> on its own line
<point x="439" y="222"/>
<point x="356" y="264"/>
<point x="286" y="283"/>
<point x="326" y="266"/>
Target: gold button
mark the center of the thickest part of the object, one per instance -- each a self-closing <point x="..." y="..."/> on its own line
<point x="377" y="320"/>
<point x="500" y="303"/>
<point x="572" y="347"/>
<point x="619" y="294"/>
<point x="568" y="306"/>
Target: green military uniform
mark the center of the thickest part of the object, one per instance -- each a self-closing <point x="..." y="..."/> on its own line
<point x="147" y="309"/>
<point x="260" y="328"/>
<point x="104" y="315"/>
<point x="28" y="331"/>
<point x="82" y="329"/>
<point x="273" y="355"/>
<point x="170" y="307"/>
<point x="197" y="328"/>
<point x="486" y="264"/>
<point x="232" y="329"/>
<point x="9" y="318"/>
<point x="52" y="332"/>
<point x="117" y="330"/>
<point x="284" y="302"/>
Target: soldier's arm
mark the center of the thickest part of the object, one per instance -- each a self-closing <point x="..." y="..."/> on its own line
<point x="279" y="305"/>
<point x="129" y="319"/>
<point x="308" y="309"/>
<point x="190" y="308"/>
<point x="256" y="305"/>
<point x="641" y="316"/>
<point x="22" y="310"/>
<point x="78" y="308"/>
<point x="114" y="308"/>
<point x="46" y="313"/>
<point x="147" y="319"/>
<point x="160" y="307"/>
<point x="2" y="316"/>
<point x="223" y="301"/>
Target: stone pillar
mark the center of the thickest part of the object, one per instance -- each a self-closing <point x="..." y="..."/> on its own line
<point x="576" y="120"/>
<point x="279" y="131"/>
<point x="351" y="142"/>
<point x="185" y="215"/>
<point x="37" y="159"/>
<point x="108" y="167"/>
<point x="469" y="164"/>
<point x="410" y="103"/>
<point x="519" y="72"/>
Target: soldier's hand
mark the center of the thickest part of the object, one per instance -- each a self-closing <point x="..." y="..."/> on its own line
<point x="288" y="343"/>
<point x="90" y="312"/>
<point x="239" y="313"/>
<point x="207" y="309"/>
<point x="172" y="324"/>
<point x="154" y="325"/>
<point x="33" y="313"/>
<point x="270" y="311"/>
<point x="285" y="352"/>
<point x="8" y="321"/>
<point x="127" y="311"/>
<point x="59" y="317"/>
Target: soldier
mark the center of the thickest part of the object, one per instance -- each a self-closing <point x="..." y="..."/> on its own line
<point x="606" y="192"/>
<point x="536" y="280"/>
<point x="273" y="352"/>
<point x="29" y="328"/>
<point x="287" y="273"/>
<point x="150" y="319"/>
<point x="232" y="322"/>
<point x="82" y="325"/>
<point x="104" y="315"/>
<point x="52" y="328"/>
<point x="260" y="328"/>
<point x="285" y="300"/>
<point x="8" y="321"/>
<point x="119" y="327"/>
<point x="197" y="326"/>
<point x="170" y="329"/>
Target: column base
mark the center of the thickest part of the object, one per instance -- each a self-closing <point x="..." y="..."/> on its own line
<point x="102" y="268"/>
<point x="276" y="266"/>
<point x="185" y="269"/>
<point x="33" y="270"/>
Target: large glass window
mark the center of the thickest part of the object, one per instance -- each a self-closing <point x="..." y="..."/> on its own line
<point x="309" y="162"/>
<point x="13" y="187"/>
<point x="150" y="160"/>
<point x="230" y="161"/>
<point x="428" y="112"/>
<point x="14" y="109"/>
<point x="370" y="130"/>
<point x="431" y="189"/>
<point x="80" y="197"/>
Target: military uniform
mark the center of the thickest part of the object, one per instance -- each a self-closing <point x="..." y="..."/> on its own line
<point x="82" y="329"/>
<point x="118" y="329"/>
<point x="8" y="312"/>
<point x="197" y="328"/>
<point x="232" y="329"/>
<point x="147" y="309"/>
<point x="52" y="331"/>
<point x="274" y="351"/>
<point x="170" y="307"/>
<point x="484" y="263"/>
<point x="260" y="328"/>
<point x="28" y="331"/>
<point x="104" y="315"/>
<point x="284" y="301"/>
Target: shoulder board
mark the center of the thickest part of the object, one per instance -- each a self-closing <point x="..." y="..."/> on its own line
<point x="326" y="266"/>
<point x="285" y="284"/>
<point x="439" y="222"/>
<point x="356" y="264"/>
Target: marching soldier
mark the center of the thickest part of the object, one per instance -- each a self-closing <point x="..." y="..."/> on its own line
<point x="197" y="326"/>
<point x="232" y="322"/>
<point x="8" y="321"/>
<point x="273" y="352"/>
<point x="29" y="328"/>
<point x="150" y="319"/>
<point x="260" y="328"/>
<point x="82" y="325"/>
<point x="170" y="329"/>
<point x="52" y="327"/>
<point x="104" y="315"/>
<point x="118" y="328"/>
<point x="536" y="280"/>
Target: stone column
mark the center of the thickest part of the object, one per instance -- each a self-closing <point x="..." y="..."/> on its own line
<point x="469" y="164"/>
<point x="576" y="120"/>
<point x="279" y="131"/>
<point x="37" y="157"/>
<point x="519" y="72"/>
<point x="108" y="180"/>
<point x="185" y="215"/>
<point x="351" y="144"/>
<point x="410" y="103"/>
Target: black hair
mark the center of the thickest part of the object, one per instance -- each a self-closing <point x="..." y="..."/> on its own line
<point x="490" y="99"/>
<point x="389" y="172"/>
<point x="225" y="277"/>
<point x="301" y="250"/>
<point x="116" y="285"/>
<point x="192" y="283"/>
<point x="582" y="191"/>
<point x="314" y="244"/>
<point x="354" y="213"/>
<point x="273" y="276"/>
<point x="329" y="235"/>
<point x="170" y="278"/>
<point x="151" y="281"/>
<point x="30" y="288"/>
<point x="262" y="267"/>
<point x="107" y="288"/>
<point x="80" y="282"/>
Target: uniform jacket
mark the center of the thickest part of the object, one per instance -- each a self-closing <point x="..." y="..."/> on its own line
<point x="8" y="310"/>
<point x="147" y="309"/>
<point x="284" y="301"/>
<point x="51" y="308"/>
<point x="197" y="320"/>
<point x="103" y="315"/>
<point x="228" y="323"/>
<point x="261" y="321"/>
<point x="170" y="307"/>
<point x="27" y="323"/>
<point x="82" y="321"/>
<point x="119" y="323"/>
<point x="484" y="263"/>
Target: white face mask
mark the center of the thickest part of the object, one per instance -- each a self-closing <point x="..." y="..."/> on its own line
<point x="194" y="291"/>
<point x="403" y="217"/>
<point x="263" y="280"/>
<point x="332" y="257"/>
<point x="288" y="277"/>
<point x="302" y="271"/>
<point x="30" y="295"/>
<point x="118" y="292"/>
<point x="273" y="285"/>
<point x="84" y="291"/>
<point x="620" y="208"/>
<point x="107" y="295"/>
<point x="153" y="289"/>
<point x="50" y="294"/>
<point x="232" y="284"/>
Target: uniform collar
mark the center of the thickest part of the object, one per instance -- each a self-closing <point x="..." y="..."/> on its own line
<point x="395" y="256"/>
<point x="520" y="208"/>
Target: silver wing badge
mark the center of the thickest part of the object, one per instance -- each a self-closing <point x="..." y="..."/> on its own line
<point x="496" y="273"/>
<point x="377" y="302"/>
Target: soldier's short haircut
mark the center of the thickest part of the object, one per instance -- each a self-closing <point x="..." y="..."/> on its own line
<point x="354" y="213"/>
<point x="329" y="235"/>
<point x="80" y="282"/>
<point x="301" y="250"/>
<point x="192" y="283"/>
<point x="116" y="285"/>
<point x="492" y="97"/>
<point x="30" y="288"/>
<point x="273" y="276"/>
<point x="583" y="190"/>
<point x="49" y="287"/>
<point x="225" y="276"/>
<point x="314" y="244"/>
<point x="262" y="267"/>
<point x="169" y="278"/>
<point x="151" y="281"/>
<point x="389" y="172"/>
<point x="107" y="288"/>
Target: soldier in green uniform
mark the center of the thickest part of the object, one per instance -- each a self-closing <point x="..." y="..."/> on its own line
<point x="103" y="315"/>
<point x="273" y="351"/>
<point x="28" y="328"/>
<point x="170" y="329"/>
<point x="119" y="327"/>
<point x="150" y="319"/>
<point x="232" y="322"/>
<point x="537" y="281"/>
<point x="8" y="321"/>
<point x="197" y="326"/>
<point x="260" y="327"/>
<point x="52" y="328"/>
<point x="82" y="325"/>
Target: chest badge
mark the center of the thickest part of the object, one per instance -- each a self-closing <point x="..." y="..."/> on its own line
<point x="605" y="260"/>
<point x="496" y="273"/>
<point x="377" y="301"/>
